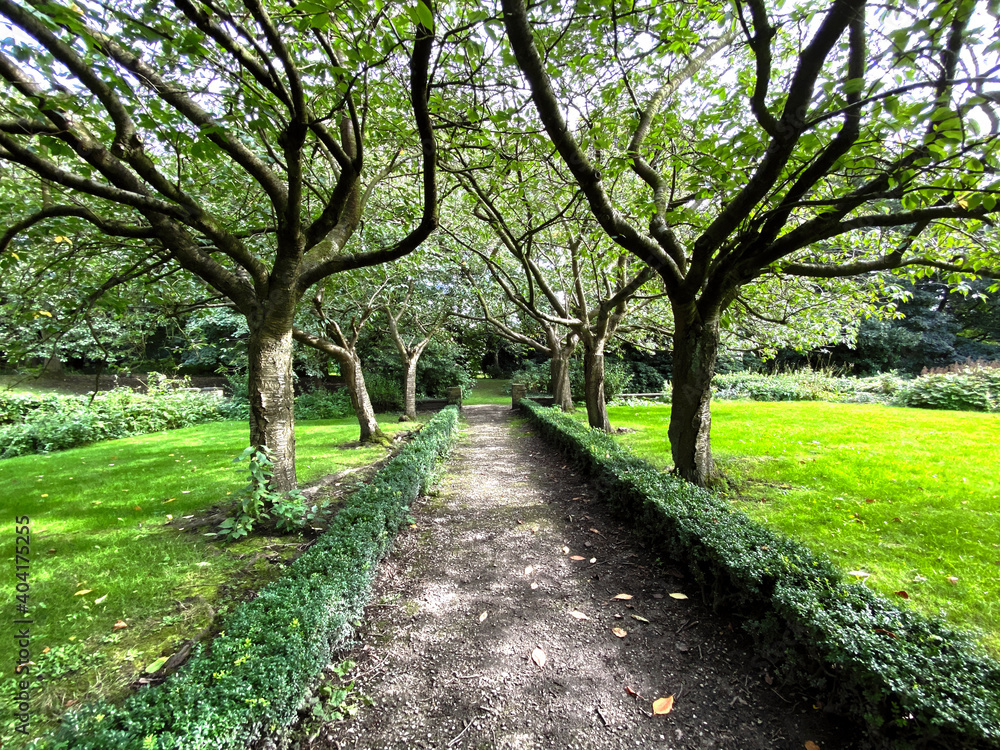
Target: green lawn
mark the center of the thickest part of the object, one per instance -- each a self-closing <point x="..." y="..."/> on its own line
<point x="910" y="496"/>
<point x="488" y="391"/>
<point x="98" y="525"/>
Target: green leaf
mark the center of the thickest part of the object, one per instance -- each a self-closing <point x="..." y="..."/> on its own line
<point x="156" y="665"/>
<point x="424" y="15"/>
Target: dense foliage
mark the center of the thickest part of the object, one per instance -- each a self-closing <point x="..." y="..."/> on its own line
<point x="618" y="377"/>
<point x="258" y="671"/>
<point x="909" y="679"/>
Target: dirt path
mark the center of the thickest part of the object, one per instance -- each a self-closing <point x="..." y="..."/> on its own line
<point x="487" y="575"/>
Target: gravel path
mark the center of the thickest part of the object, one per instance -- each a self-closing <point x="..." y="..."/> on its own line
<point x="493" y="625"/>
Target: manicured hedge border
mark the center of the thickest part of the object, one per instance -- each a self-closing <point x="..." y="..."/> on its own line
<point x="256" y="674"/>
<point x="912" y="681"/>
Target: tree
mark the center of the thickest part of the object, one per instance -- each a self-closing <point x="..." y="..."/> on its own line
<point x="799" y="154"/>
<point x="233" y="138"/>
<point x="574" y="285"/>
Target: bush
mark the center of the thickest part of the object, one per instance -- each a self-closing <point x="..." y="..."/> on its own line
<point x="53" y="423"/>
<point x="322" y="404"/>
<point x="913" y="681"/>
<point x="971" y="388"/>
<point x="536" y="375"/>
<point x="249" y="684"/>
<point x="806" y="385"/>
<point x="385" y="391"/>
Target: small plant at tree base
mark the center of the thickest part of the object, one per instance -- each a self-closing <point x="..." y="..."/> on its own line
<point x="258" y="502"/>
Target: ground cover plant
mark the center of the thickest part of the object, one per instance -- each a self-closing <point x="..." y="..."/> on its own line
<point x="98" y="525"/>
<point x="908" y="498"/>
<point x="247" y="686"/>
<point x="914" y="681"/>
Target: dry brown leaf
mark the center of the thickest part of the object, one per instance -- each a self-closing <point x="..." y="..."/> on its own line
<point x="663" y="705"/>
<point x="595" y="531"/>
<point x="622" y="596"/>
<point x="538" y="656"/>
<point x="619" y="632"/>
<point x="578" y="615"/>
<point x="483" y="616"/>
<point x="630" y="691"/>
<point x="81" y="592"/>
<point x="119" y="625"/>
<point x="678" y="596"/>
<point x="640" y="619"/>
<point x="902" y="594"/>
<point x="810" y="745"/>
<point x="577" y="558"/>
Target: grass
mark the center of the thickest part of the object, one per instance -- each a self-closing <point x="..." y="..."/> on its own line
<point x="488" y="391"/>
<point x="98" y="525"/>
<point x="909" y="496"/>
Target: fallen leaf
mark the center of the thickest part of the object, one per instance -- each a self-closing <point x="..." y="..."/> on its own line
<point x="595" y="531"/>
<point x="100" y="599"/>
<point x="640" y="619"/>
<point x="663" y="705"/>
<point x="678" y="596"/>
<point x="952" y="580"/>
<point x="46" y="650"/>
<point x="768" y="679"/>
<point x="156" y="665"/>
<point x="577" y="558"/>
<point x="622" y="596"/>
<point x="869" y="500"/>
<point x="138" y="508"/>
<point x="630" y="691"/>
<point x="538" y="656"/>
<point x="119" y="625"/>
<point x="619" y="632"/>
<point x="170" y="500"/>
<point x="578" y="615"/>
<point x="903" y="594"/>
<point x="810" y="745"/>
<point x="81" y="592"/>
<point x="67" y="704"/>
<point x="483" y="616"/>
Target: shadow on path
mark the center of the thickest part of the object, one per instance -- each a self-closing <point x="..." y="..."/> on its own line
<point x="514" y="554"/>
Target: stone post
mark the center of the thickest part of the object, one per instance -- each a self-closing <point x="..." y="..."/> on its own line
<point x="517" y="392"/>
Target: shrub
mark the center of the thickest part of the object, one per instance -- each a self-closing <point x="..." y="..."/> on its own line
<point x="806" y="385"/>
<point x="323" y="404"/>
<point x="252" y="679"/>
<point x="385" y="392"/>
<point x="55" y="423"/>
<point x="970" y="388"/>
<point x="913" y="681"/>
<point x="536" y="375"/>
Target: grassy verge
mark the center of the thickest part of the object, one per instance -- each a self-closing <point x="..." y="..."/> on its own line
<point x="488" y="391"/>
<point x="909" y="496"/>
<point x="246" y="687"/>
<point x="99" y="519"/>
<point x="912" y="681"/>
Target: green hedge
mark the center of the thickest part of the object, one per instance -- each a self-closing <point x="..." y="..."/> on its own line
<point x="253" y="678"/>
<point x="913" y="681"/>
<point x="973" y="390"/>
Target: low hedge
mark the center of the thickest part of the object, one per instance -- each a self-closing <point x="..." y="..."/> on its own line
<point x="913" y="681"/>
<point x="256" y="674"/>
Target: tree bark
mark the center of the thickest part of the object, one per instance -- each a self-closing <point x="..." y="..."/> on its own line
<point x="559" y="378"/>
<point x="696" y="347"/>
<point x="593" y="379"/>
<point x="272" y="398"/>
<point x="410" y="386"/>
<point x="350" y="368"/>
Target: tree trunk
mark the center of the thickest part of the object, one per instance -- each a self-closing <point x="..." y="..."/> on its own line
<point x="350" y="368"/>
<point x="593" y="380"/>
<point x="410" y="387"/>
<point x="272" y="398"/>
<point x="696" y="347"/>
<point x="559" y="379"/>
